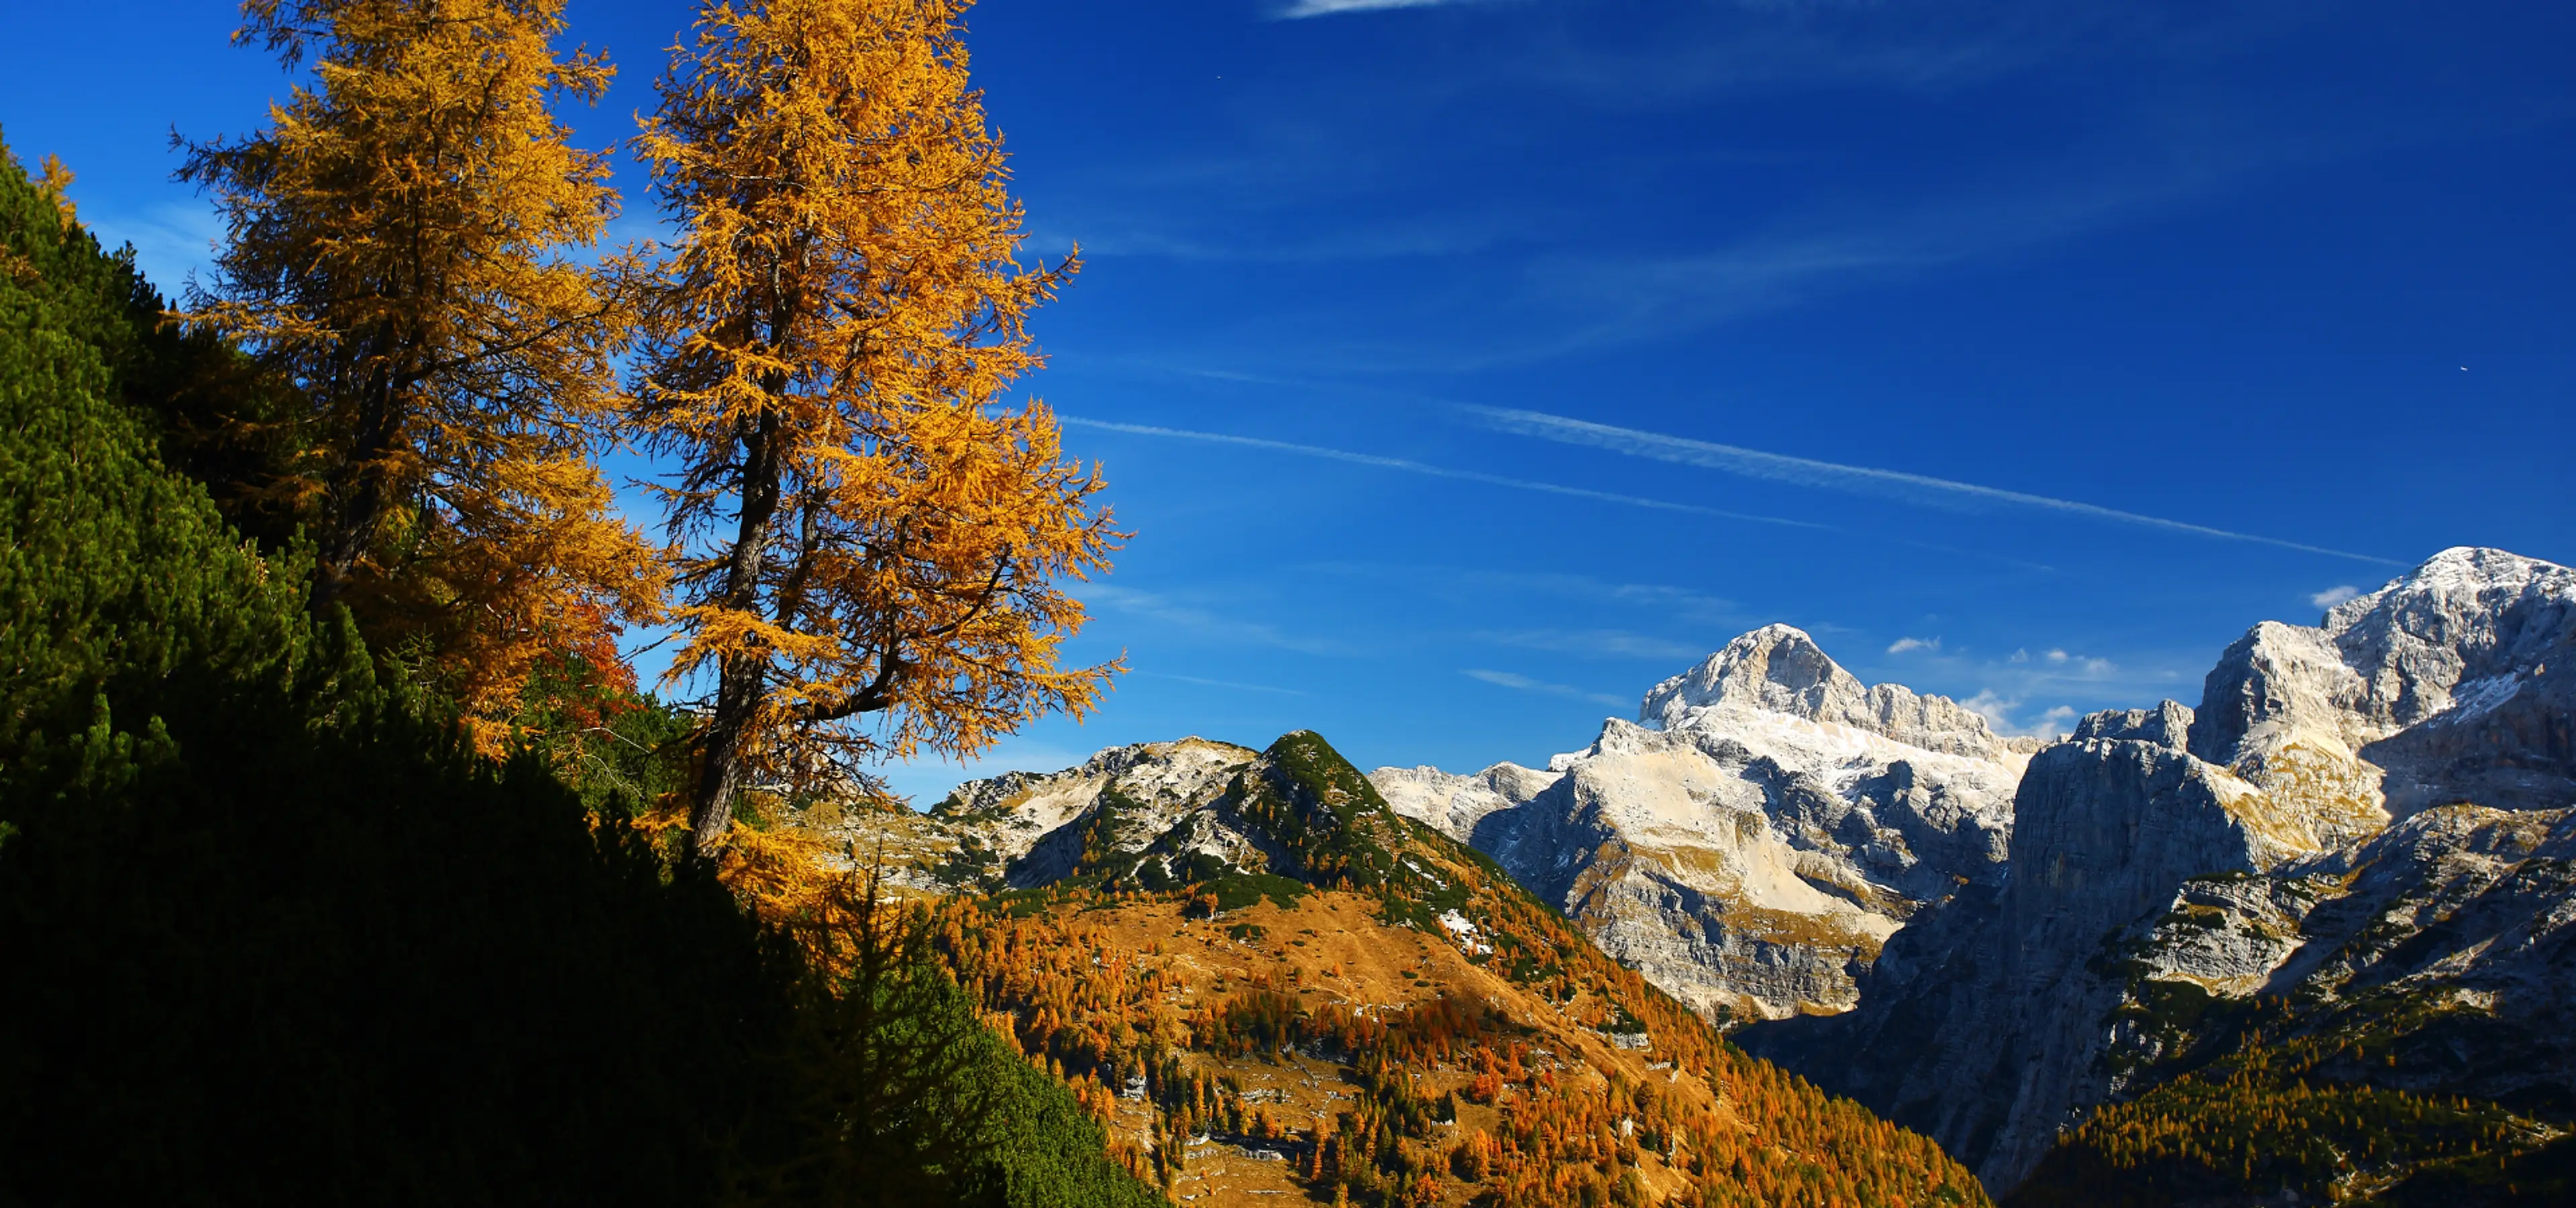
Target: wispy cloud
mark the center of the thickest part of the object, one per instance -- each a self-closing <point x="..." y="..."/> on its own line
<point x="1326" y="8"/>
<point x="1200" y="622"/>
<point x="2052" y="685"/>
<point x="1523" y="683"/>
<point x="1606" y="295"/>
<point x="1424" y="468"/>
<point x="2056" y="722"/>
<point x="1918" y="489"/>
<point x="1228" y="685"/>
<point x="1597" y="643"/>
<point x="1676" y="603"/>
<point x="1907" y="645"/>
<point x="2086" y="665"/>
<point x="2335" y="595"/>
<point x="1763" y="45"/>
<point x="1209" y="240"/>
<point x="171" y="241"/>
<point x="1994" y="707"/>
<point x="2061" y="665"/>
<point x="1998" y="711"/>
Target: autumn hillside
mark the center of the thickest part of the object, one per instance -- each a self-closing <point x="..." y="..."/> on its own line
<point x="274" y="928"/>
<point x="1265" y="981"/>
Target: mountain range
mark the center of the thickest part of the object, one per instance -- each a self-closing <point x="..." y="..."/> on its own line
<point x="2357" y="845"/>
<point x="2349" y="870"/>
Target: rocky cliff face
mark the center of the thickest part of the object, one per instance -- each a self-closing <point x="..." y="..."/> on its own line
<point x="1167" y="816"/>
<point x="2432" y="690"/>
<point x="2447" y="941"/>
<point x="2292" y="840"/>
<point x="1022" y="829"/>
<point x="1751" y="842"/>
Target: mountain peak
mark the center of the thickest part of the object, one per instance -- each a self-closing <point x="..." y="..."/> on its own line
<point x="1779" y="669"/>
<point x="2461" y="576"/>
<point x="2432" y="689"/>
<point x="2479" y="566"/>
<point x="1776" y="668"/>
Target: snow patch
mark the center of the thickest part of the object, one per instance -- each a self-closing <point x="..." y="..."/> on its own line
<point x="2476" y="698"/>
<point x="1464" y="932"/>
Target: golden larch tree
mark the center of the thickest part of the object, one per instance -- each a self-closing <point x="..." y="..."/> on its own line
<point x="403" y="246"/>
<point x="874" y="542"/>
<point x="54" y="185"/>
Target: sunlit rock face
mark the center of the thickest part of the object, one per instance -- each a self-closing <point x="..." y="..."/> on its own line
<point x="1756" y="836"/>
<point x="1024" y="829"/>
<point x="1779" y="671"/>
<point x="2434" y="689"/>
<point x="1033" y="828"/>
<point x="2366" y="819"/>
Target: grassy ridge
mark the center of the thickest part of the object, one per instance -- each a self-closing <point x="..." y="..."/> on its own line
<point x="1477" y="1067"/>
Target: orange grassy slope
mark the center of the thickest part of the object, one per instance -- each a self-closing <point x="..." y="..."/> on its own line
<point x="1393" y="1021"/>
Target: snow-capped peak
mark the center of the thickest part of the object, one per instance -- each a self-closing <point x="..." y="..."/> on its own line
<point x="1779" y="669"/>
<point x="2461" y="577"/>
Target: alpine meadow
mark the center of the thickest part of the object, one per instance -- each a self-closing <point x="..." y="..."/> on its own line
<point x="631" y="605"/>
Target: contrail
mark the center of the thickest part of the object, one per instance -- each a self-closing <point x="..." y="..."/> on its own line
<point x="1776" y="467"/>
<point x="1416" y="467"/>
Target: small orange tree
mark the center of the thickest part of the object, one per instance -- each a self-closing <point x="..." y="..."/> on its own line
<point x="399" y="247"/>
<point x="55" y="186"/>
<point x="872" y="541"/>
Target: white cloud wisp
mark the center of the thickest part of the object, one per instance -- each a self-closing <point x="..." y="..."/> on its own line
<point x="1860" y="480"/>
<point x="1523" y="683"/>
<point x="1200" y="623"/>
<point x="1228" y="685"/>
<point x="2056" y="722"/>
<point x="1424" y="468"/>
<point x="1303" y="9"/>
<point x="1597" y="643"/>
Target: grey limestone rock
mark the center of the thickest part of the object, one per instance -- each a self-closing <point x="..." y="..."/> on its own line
<point x="2166" y="725"/>
<point x="2439" y="687"/>
<point x="2290" y="838"/>
<point x="1992" y="1044"/>
<point x="1031" y="829"/>
<point x="1751" y="843"/>
<point x="1778" y="669"/>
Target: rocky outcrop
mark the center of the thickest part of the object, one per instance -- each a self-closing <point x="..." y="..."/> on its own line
<point x="1207" y="818"/>
<point x="1755" y="838"/>
<point x="1983" y="1029"/>
<point x="2445" y="945"/>
<point x="1455" y="804"/>
<point x="1779" y="670"/>
<point x="2288" y="839"/>
<point x="1032" y="829"/>
<point x="2434" y="689"/>
<point x="2166" y="725"/>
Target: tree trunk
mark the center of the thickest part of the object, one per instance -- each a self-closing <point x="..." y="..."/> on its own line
<point x="738" y="687"/>
<point x="357" y="494"/>
<point x="740" y="677"/>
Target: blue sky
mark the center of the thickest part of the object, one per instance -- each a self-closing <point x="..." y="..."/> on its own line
<point x="1464" y="368"/>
